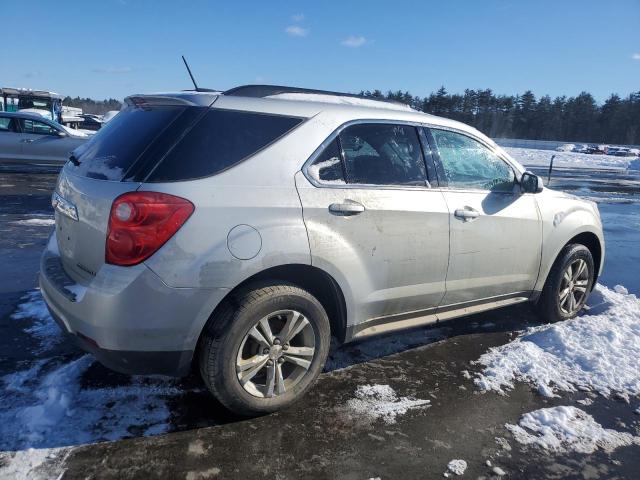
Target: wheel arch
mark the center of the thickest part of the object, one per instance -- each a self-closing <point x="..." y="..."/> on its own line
<point x="313" y="279"/>
<point x="589" y="239"/>
<point x="592" y="242"/>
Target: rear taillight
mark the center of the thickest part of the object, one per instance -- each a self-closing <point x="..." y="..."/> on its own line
<point x="140" y="223"/>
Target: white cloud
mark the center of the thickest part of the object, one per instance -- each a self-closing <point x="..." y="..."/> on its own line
<point x="636" y="56"/>
<point x="298" y="17"/>
<point x="354" y="41"/>
<point x="297" y="31"/>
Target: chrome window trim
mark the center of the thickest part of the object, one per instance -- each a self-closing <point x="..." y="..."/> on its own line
<point x="318" y="151"/>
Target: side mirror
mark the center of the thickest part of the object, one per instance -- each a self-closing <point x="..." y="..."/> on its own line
<point x="530" y="183"/>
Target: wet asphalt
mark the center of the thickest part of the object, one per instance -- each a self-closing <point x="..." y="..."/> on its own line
<point x="320" y="437"/>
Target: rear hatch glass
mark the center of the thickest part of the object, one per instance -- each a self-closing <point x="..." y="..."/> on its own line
<point x="114" y="150"/>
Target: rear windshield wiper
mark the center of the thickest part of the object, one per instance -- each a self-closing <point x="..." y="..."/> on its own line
<point x="73" y="159"/>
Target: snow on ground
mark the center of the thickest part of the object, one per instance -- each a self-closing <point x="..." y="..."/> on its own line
<point x="533" y="157"/>
<point x="457" y="467"/>
<point x="34" y="310"/>
<point x="34" y="464"/>
<point x="50" y="405"/>
<point x="597" y="352"/>
<point x="381" y="402"/>
<point x="568" y="429"/>
<point x="36" y="222"/>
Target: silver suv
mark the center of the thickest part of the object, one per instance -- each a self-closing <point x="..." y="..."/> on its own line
<point x="239" y="231"/>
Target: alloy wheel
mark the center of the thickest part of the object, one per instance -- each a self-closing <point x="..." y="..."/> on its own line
<point x="573" y="287"/>
<point x="275" y="354"/>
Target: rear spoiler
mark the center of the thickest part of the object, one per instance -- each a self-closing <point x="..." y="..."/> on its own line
<point x="192" y="99"/>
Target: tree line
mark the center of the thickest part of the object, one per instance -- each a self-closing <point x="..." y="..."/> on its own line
<point x="572" y="119"/>
<point x="88" y="105"/>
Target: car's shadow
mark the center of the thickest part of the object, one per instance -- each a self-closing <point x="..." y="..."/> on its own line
<point x="196" y="408"/>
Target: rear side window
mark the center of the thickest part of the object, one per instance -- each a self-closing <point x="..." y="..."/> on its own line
<point x="382" y="154"/>
<point x="7" y="124"/>
<point x="221" y="139"/>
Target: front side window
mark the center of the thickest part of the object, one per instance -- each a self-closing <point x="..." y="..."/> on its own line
<point x="468" y="164"/>
<point x="383" y="154"/>
<point x="37" y="128"/>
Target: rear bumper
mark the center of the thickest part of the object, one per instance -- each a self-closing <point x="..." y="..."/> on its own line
<point x="127" y="317"/>
<point x="171" y="363"/>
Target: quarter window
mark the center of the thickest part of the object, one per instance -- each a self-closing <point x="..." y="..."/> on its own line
<point x="468" y="164"/>
<point x="328" y="166"/>
<point x="383" y="154"/>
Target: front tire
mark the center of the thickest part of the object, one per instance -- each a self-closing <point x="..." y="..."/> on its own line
<point x="568" y="285"/>
<point x="264" y="348"/>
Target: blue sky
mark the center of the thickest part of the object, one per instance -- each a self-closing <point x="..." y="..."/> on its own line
<point x="112" y="48"/>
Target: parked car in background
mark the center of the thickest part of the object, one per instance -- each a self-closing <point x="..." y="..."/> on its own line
<point x="567" y="147"/>
<point x="593" y="150"/>
<point x="621" y="152"/>
<point x="581" y="148"/>
<point x="91" y="122"/>
<point x="31" y="138"/>
<point x="240" y="231"/>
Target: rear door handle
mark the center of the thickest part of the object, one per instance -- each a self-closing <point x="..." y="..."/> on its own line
<point x="28" y="140"/>
<point x="347" y="208"/>
<point x="467" y="214"/>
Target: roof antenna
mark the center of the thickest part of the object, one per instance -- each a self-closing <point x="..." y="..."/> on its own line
<point x="190" y="74"/>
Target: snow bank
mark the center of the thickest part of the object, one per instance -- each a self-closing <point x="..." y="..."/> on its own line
<point x="568" y="429"/>
<point x="36" y="222"/>
<point x="381" y="402"/>
<point x="534" y="157"/>
<point x="338" y="100"/>
<point x="457" y="467"/>
<point x="595" y="352"/>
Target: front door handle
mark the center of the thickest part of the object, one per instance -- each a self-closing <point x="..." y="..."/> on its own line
<point x="28" y="140"/>
<point x="347" y="208"/>
<point x="466" y="214"/>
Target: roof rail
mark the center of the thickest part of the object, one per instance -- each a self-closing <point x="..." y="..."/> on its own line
<point x="261" y="91"/>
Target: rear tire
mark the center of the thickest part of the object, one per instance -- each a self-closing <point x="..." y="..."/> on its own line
<point x="568" y="285"/>
<point x="264" y="348"/>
